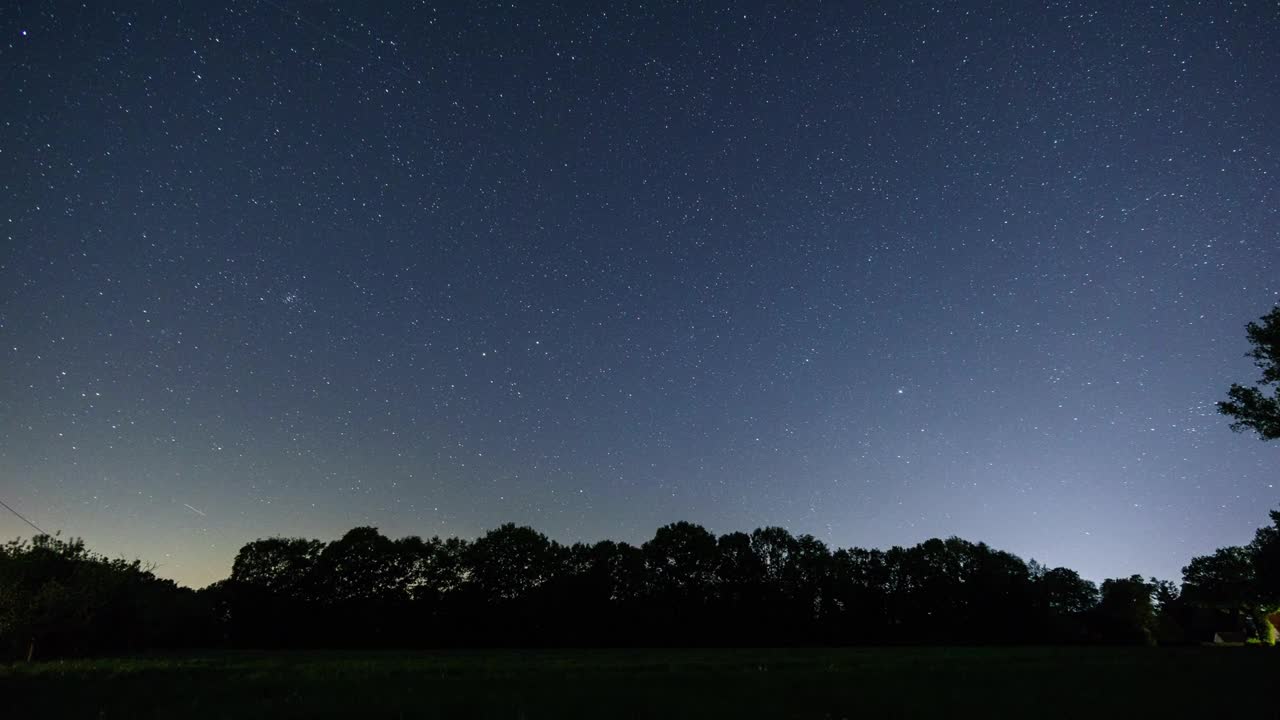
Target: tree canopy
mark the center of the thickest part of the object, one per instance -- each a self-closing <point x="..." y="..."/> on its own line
<point x="514" y="586"/>
<point x="57" y="597"/>
<point x="1257" y="408"/>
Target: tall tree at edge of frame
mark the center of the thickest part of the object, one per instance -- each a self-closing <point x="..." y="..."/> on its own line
<point x="1251" y="407"/>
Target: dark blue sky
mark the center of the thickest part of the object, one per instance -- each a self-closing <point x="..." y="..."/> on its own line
<point x="877" y="274"/>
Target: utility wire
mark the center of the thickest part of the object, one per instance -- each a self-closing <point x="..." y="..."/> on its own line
<point x="22" y="518"/>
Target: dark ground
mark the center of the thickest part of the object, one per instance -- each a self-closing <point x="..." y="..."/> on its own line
<point x="1042" y="682"/>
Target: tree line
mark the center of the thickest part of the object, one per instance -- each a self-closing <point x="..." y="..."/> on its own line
<point x="513" y="586"/>
<point x="686" y="586"/>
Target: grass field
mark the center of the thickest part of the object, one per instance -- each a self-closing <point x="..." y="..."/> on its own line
<point x="799" y="683"/>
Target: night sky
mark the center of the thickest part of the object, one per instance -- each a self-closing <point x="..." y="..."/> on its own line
<point x="873" y="271"/>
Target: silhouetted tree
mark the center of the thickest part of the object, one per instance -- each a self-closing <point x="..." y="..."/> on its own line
<point x="365" y="565"/>
<point x="1257" y="408"/>
<point x="680" y="563"/>
<point x="681" y="559"/>
<point x="739" y="570"/>
<point x="997" y="593"/>
<point x="512" y="562"/>
<point x="365" y="584"/>
<point x="510" y="572"/>
<point x="1264" y="554"/>
<point x="1224" y="580"/>
<point x="438" y="568"/>
<point x="774" y="551"/>
<point x="274" y="594"/>
<point x="807" y="583"/>
<point x="47" y="589"/>
<point x="593" y="597"/>
<point x="774" y="583"/>
<point x="739" y="588"/>
<point x="1064" y="592"/>
<point x="514" y="586"/>
<point x="1127" y="612"/>
<point x="618" y="569"/>
<point x="1235" y="588"/>
<point x="1063" y="602"/>
<point x="58" y="598"/>
<point x="860" y="607"/>
<point x="925" y="592"/>
<point x="281" y="566"/>
<point x="1174" y="615"/>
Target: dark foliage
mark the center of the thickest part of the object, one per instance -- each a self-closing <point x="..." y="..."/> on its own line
<point x="515" y="587"/>
<point x="685" y="586"/>
<point x="1264" y="554"/>
<point x="57" y="598"/>
<point x="1252" y="408"/>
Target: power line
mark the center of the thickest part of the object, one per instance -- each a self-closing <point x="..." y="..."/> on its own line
<point x="22" y="518"/>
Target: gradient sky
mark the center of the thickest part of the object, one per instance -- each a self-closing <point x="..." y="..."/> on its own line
<point x="873" y="271"/>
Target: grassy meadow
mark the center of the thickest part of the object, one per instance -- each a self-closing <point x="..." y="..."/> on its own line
<point x="657" y="683"/>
